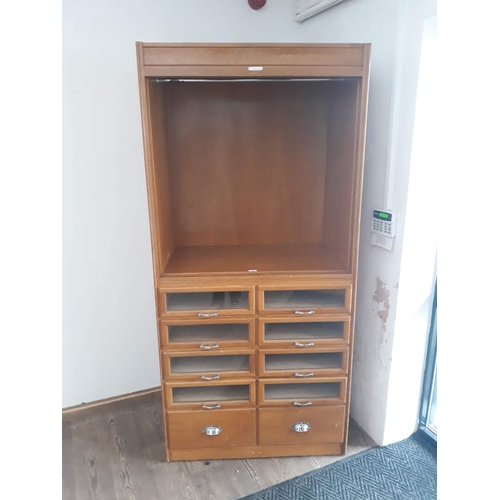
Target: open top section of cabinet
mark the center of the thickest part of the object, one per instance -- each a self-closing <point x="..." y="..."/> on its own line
<point x="255" y="174"/>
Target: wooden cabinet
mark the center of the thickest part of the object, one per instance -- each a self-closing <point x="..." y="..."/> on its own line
<point x="254" y="182"/>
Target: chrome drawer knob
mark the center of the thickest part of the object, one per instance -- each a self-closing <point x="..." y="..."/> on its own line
<point x="212" y="430"/>
<point x="297" y="403"/>
<point x="205" y="377"/>
<point x="301" y="427"/>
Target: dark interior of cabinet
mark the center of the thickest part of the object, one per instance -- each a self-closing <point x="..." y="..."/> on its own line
<point x="256" y="175"/>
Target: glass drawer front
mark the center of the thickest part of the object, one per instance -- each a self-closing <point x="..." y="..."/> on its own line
<point x="209" y="366"/>
<point x="305" y="302"/>
<point x="207" y="336"/>
<point x="304" y="333"/>
<point x="206" y="301"/>
<point x="303" y="365"/>
<point x="280" y="299"/>
<point x="288" y="392"/>
<point x="302" y="391"/>
<point x="212" y="396"/>
<point x="213" y="393"/>
<point x="202" y="364"/>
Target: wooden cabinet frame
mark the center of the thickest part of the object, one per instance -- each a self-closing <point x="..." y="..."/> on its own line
<point x="235" y="206"/>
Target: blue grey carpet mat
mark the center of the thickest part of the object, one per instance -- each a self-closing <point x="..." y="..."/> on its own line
<point x="401" y="471"/>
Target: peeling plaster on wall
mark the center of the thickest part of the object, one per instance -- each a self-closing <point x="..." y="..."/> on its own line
<point x="382" y="297"/>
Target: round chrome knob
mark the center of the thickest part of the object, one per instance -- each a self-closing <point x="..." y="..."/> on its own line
<point x="301" y="427"/>
<point x="212" y="430"/>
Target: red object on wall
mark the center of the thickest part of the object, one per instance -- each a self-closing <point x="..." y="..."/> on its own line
<point x="256" y="4"/>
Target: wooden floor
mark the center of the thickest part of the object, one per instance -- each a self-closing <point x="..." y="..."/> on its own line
<point x="116" y="451"/>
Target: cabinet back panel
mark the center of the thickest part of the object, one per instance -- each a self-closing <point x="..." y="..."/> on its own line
<point x="247" y="162"/>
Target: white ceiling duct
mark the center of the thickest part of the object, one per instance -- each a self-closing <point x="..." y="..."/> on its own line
<point x="304" y="9"/>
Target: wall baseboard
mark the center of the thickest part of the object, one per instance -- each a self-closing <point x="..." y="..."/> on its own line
<point x="100" y="402"/>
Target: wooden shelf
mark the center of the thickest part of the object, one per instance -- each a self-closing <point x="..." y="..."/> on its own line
<point x="242" y="258"/>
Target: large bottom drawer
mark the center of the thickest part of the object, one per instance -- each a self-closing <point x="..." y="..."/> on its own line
<point x="293" y="426"/>
<point x="211" y="429"/>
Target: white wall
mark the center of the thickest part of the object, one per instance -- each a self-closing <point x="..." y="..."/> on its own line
<point x="418" y="264"/>
<point x="109" y="335"/>
<point x="390" y="353"/>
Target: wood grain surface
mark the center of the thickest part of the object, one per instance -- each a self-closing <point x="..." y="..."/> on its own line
<point x="117" y="452"/>
<point x="247" y="162"/>
<point x="254" y="192"/>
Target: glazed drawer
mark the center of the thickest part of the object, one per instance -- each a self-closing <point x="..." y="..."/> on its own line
<point x="209" y="365"/>
<point x="209" y="395"/>
<point x="202" y="429"/>
<point x="305" y="363"/>
<point x="206" y="334"/>
<point x="300" y="332"/>
<point x="193" y="302"/>
<point x="292" y="426"/>
<point x="304" y="300"/>
<point x="302" y="392"/>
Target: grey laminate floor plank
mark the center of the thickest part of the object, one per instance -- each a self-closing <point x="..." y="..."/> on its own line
<point x="116" y="452"/>
<point x="94" y="461"/>
<point x="68" y="467"/>
<point x="132" y="439"/>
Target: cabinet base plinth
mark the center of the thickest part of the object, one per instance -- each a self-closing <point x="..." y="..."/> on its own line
<point x="256" y="452"/>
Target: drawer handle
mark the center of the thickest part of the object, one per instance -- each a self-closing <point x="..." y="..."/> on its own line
<point x="301" y="427"/>
<point x="212" y="430"/>
<point x="215" y="346"/>
<point x="215" y="377"/>
<point x="215" y="407"/>
<point x="304" y="375"/>
<point x="308" y="344"/>
<point x="207" y="315"/>
<point x="296" y="403"/>
<point x="302" y="313"/>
